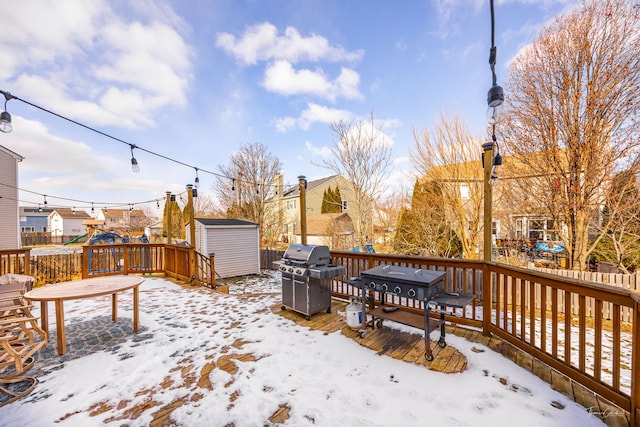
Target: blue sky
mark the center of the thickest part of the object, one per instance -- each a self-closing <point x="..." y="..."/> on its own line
<point x="193" y="80"/>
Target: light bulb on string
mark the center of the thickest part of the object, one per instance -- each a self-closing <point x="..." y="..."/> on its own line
<point x="134" y="162"/>
<point x="196" y="182"/>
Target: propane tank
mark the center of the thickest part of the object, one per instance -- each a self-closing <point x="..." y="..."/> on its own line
<point x="354" y="314"/>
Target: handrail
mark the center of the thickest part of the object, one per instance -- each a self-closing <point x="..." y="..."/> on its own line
<point x="16" y="261"/>
<point x="552" y="318"/>
<point x="561" y="321"/>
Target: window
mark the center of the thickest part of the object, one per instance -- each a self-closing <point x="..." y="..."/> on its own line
<point x="291" y="204"/>
<point x="537" y="228"/>
<point x="519" y="228"/>
<point x="344" y="205"/>
<point x="28" y="229"/>
<point x="465" y="192"/>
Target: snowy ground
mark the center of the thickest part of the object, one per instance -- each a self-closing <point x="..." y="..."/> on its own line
<point x="188" y="334"/>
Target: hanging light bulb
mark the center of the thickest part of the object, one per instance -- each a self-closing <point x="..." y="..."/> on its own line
<point x="233" y="185"/>
<point x="196" y="182"/>
<point x="134" y="162"/>
<point x="258" y="189"/>
<point x="495" y="99"/>
<point x="5" y="117"/>
<point x="45" y="200"/>
<point x="158" y="204"/>
<point x="39" y="208"/>
<point x="73" y="210"/>
<point x="92" y="210"/>
<point x="496" y="167"/>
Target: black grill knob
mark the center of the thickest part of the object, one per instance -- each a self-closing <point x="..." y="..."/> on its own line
<point x="290" y="270"/>
<point x="397" y="290"/>
<point x="385" y="287"/>
<point x="372" y="285"/>
<point x="298" y="272"/>
<point x="411" y="292"/>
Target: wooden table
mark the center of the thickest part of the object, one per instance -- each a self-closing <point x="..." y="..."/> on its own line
<point x="79" y="289"/>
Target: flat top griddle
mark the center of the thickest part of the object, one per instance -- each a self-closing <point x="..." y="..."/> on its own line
<point x="405" y="275"/>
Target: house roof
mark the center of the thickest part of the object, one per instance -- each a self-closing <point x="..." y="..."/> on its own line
<point x="120" y="213"/>
<point x="69" y="213"/>
<point x="28" y="211"/>
<point x="224" y="222"/>
<point x="12" y="153"/>
<point x="295" y="190"/>
<point x="328" y="224"/>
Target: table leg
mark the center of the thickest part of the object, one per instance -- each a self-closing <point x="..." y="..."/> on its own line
<point x="114" y="307"/>
<point x="136" y="315"/>
<point x="44" y="316"/>
<point x="62" y="339"/>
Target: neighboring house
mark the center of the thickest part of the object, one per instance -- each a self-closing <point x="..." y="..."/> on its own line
<point x="154" y="231"/>
<point x="516" y="215"/>
<point x="334" y="230"/>
<point x="9" y="213"/>
<point x="233" y="243"/>
<point x="123" y="220"/>
<point x="34" y="220"/>
<point x="67" y="223"/>
<point x="284" y="209"/>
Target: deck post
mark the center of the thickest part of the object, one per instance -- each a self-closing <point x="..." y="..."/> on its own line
<point x="635" y="365"/>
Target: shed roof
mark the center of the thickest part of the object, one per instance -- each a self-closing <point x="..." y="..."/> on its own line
<point x="225" y="222"/>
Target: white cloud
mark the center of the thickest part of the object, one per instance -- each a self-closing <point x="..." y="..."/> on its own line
<point x="94" y="64"/>
<point x="313" y="114"/>
<point x="263" y="43"/>
<point x="281" y="78"/>
<point x="323" y="152"/>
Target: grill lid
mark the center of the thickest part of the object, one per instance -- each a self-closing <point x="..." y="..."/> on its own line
<point x="307" y="255"/>
<point x="392" y="273"/>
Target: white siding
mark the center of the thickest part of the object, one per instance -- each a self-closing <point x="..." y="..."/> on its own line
<point x="237" y="251"/>
<point x="9" y="212"/>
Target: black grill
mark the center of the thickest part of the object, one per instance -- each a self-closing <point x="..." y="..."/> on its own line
<point x="306" y="278"/>
<point x="410" y="283"/>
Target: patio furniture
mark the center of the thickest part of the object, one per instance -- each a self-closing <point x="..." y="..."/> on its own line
<point x="80" y="289"/>
<point x="20" y="339"/>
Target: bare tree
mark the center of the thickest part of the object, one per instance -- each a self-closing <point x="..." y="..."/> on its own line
<point x="247" y="183"/>
<point x="206" y="207"/>
<point x="449" y="159"/>
<point x="574" y="98"/>
<point x="620" y="243"/>
<point x="363" y="157"/>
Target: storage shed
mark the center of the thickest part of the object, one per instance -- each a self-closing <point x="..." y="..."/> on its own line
<point x="235" y="244"/>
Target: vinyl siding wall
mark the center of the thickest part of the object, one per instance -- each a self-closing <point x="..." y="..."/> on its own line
<point x="236" y="248"/>
<point x="9" y="213"/>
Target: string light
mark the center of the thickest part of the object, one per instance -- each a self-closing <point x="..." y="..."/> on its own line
<point x="196" y="182"/>
<point x="233" y="185"/>
<point x="134" y="162"/>
<point x="5" y="117"/>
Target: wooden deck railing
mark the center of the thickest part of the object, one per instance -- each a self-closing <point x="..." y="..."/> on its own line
<point x="587" y="331"/>
<point x="15" y="261"/>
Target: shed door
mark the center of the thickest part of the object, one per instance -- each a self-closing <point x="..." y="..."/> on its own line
<point x="237" y="252"/>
